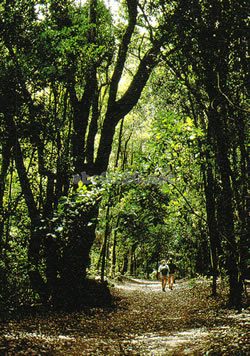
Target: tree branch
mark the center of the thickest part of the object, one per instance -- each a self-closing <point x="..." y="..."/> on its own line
<point x="122" y="52"/>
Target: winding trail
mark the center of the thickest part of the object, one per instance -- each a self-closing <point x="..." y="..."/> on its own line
<point x="146" y="321"/>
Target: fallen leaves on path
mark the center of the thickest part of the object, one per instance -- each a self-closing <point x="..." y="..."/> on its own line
<point x="145" y="321"/>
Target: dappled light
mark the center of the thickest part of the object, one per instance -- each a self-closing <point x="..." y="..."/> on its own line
<point x="124" y="201"/>
<point x="145" y="321"/>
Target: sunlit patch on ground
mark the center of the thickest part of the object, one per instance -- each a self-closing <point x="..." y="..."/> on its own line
<point x="146" y="321"/>
<point x="38" y="336"/>
<point x="158" y="344"/>
<point x="146" y="285"/>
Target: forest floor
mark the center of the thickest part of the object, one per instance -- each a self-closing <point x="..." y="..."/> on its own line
<point x="144" y="321"/>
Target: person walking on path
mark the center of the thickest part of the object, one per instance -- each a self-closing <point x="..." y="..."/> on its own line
<point x="163" y="272"/>
<point x="171" y="276"/>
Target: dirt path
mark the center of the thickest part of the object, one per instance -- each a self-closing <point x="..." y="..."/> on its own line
<point x="146" y="321"/>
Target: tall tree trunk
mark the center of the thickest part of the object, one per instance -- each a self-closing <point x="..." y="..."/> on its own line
<point x="113" y="255"/>
<point x="118" y="153"/>
<point x="243" y="204"/>
<point x="36" y="233"/>
<point x="105" y="242"/>
<point x="211" y="222"/>
<point x="82" y="107"/>
<point x="93" y="128"/>
<point x="226" y="222"/>
<point x="6" y="156"/>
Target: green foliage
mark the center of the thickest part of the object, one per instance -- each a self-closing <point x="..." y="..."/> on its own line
<point x="173" y="152"/>
<point x="56" y="83"/>
<point x="141" y="206"/>
<point x="136" y="222"/>
<point x="15" y="288"/>
<point x="72" y="208"/>
<point x="68" y="227"/>
<point x="63" y="48"/>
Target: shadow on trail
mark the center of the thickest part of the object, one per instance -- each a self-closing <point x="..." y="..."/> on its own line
<point x="145" y="321"/>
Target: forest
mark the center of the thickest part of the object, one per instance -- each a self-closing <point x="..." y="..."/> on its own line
<point x="124" y="140"/>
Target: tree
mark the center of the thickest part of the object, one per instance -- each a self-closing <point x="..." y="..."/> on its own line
<point x="66" y="104"/>
<point x="212" y="64"/>
<point x="62" y="94"/>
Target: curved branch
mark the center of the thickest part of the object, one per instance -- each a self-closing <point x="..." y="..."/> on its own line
<point x="124" y="105"/>
<point x="122" y="52"/>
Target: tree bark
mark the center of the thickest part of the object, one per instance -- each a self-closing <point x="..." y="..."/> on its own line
<point x="105" y="242"/>
<point x="211" y="221"/>
<point x="119" y="109"/>
<point x="82" y="107"/>
<point x="226" y="222"/>
<point x="6" y="157"/>
<point x="36" y="235"/>
<point x="93" y="127"/>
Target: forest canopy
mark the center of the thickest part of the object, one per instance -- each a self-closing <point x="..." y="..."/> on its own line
<point x="123" y="141"/>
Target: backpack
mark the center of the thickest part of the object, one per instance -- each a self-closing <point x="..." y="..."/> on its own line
<point x="172" y="268"/>
<point x="164" y="270"/>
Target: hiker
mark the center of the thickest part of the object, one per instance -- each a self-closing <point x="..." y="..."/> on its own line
<point x="163" y="272"/>
<point x="172" y="268"/>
